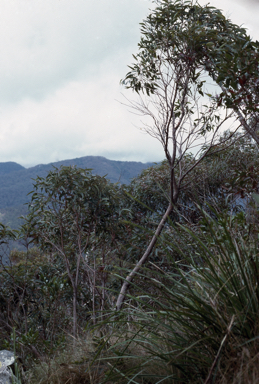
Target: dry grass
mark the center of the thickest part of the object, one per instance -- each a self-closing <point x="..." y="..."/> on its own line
<point x="242" y="368"/>
<point x="73" y="365"/>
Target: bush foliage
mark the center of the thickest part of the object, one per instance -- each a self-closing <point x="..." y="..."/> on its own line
<point x="191" y="297"/>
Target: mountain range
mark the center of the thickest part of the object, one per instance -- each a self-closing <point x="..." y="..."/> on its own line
<point x="16" y="181"/>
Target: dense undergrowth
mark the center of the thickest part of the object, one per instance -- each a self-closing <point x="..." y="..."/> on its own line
<point x="190" y="316"/>
<point x="157" y="281"/>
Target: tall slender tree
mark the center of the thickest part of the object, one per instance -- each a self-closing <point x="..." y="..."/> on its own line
<point x="170" y="78"/>
<point x="224" y="50"/>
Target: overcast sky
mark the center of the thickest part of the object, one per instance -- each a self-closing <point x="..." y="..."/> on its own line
<point x="60" y="68"/>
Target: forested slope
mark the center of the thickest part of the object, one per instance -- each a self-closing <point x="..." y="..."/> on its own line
<point x="16" y="181"/>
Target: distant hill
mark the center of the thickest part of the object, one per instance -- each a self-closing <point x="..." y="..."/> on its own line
<point x="16" y="181"/>
<point x="10" y="166"/>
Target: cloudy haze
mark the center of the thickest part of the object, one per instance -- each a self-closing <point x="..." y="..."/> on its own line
<point x="61" y="63"/>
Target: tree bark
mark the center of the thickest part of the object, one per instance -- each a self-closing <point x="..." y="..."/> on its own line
<point x="143" y="259"/>
<point x="74" y="313"/>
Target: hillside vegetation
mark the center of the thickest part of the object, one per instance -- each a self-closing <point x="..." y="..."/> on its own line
<point x="197" y="290"/>
<point x="16" y="181"/>
<point x="154" y="281"/>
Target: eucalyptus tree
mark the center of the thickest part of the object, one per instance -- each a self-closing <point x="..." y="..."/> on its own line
<point x="72" y="212"/>
<point x="225" y="51"/>
<point x="231" y="57"/>
<point x="170" y="80"/>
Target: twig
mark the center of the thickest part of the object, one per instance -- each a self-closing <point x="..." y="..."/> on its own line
<point x="220" y="348"/>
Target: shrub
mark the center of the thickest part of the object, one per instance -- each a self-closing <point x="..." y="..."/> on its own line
<point x="199" y="324"/>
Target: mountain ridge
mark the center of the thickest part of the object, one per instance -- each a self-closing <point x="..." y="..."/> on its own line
<point x="16" y="181"/>
<point x="10" y="166"/>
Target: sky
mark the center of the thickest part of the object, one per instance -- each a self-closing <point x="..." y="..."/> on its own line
<point x="60" y="70"/>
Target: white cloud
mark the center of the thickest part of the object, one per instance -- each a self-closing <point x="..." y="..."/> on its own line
<point x="46" y="43"/>
<point x="82" y="118"/>
<point x="59" y="77"/>
<point x="61" y="63"/>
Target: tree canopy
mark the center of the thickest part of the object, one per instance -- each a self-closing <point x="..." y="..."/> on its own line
<point x="186" y="32"/>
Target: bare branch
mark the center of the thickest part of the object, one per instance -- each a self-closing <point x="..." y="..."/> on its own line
<point x="182" y="119"/>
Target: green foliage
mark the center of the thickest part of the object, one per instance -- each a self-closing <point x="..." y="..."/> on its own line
<point x="191" y="315"/>
<point x="34" y="299"/>
<point x="197" y="318"/>
<point x="68" y="207"/>
<point x="225" y="180"/>
<point x="186" y="32"/>
<point x="76" y="215"/>
<point x="7" y="236"/>
<point x="16" y="182"/>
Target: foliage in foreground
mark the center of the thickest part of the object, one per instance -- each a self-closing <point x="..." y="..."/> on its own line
<point x="200" y="324"/>
<point x="190" y="315"/>
<point x="195" y="323"/>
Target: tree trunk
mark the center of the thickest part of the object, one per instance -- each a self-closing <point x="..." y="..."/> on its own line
<point x="74" y="312"/>
<point x="143" y="259"/>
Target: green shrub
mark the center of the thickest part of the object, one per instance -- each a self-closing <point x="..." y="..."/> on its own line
<point x="199" y="324"/>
